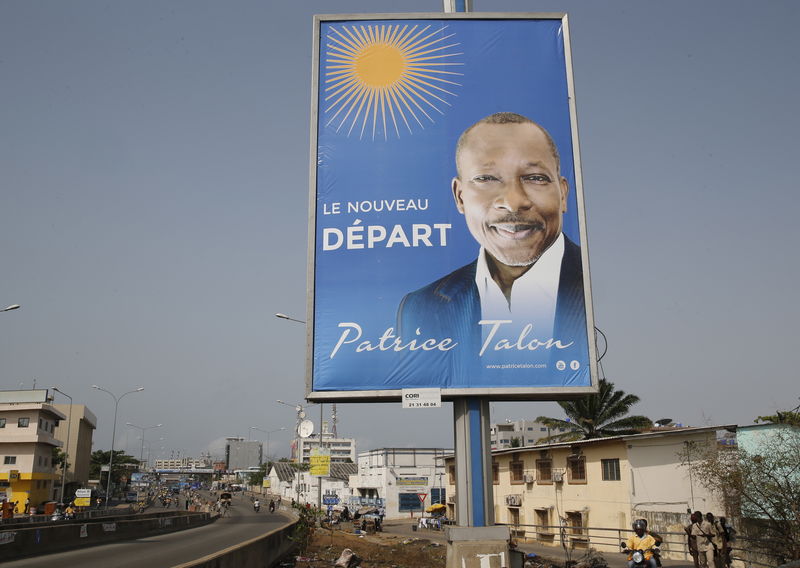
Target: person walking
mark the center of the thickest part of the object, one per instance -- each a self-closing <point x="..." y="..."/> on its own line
<point x="692" y="540"/>
<point x="704" y="533"/>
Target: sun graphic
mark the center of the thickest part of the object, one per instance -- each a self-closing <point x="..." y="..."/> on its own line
<point x="385" y="77"/>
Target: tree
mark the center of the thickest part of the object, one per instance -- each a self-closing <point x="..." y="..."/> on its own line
<point x="59" y="458"/>
<point x="760" y="487"/>
<point x="257" y="477"/>
<point x="516" y="442"/>
<point x="791" y="417"/>
<point x="597" y="416"/>
<point x="122" y="462"/>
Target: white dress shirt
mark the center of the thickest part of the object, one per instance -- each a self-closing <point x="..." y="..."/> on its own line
<point x="533" y="295"/>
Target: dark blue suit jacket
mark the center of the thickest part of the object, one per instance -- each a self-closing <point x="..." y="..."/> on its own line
<point x="450" y="307"/>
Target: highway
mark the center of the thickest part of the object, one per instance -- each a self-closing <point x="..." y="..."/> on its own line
<point x="164" y="551"/>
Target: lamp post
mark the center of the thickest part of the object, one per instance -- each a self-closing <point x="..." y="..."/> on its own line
<point x="66" y="452"/>
<point x="12" y="307"/>
<point x="113" y="431"/>
<point x="300" y="415"/>
<point x="143" y="429"/>
<point x="267" y="432"/>
<point x="272" y="432"/>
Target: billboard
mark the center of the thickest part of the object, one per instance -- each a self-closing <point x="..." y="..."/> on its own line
<point x="447" y="243"/>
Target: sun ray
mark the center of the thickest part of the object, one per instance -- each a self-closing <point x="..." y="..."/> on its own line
<point x="418" y="90"/>
<point x="391" y="113"/>
<point x="379" y="75"/>
<point x="405" y="101"/>
<point x="393" y="97"/>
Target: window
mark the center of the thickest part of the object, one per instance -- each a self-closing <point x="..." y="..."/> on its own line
<point x="530" y="429"/>
<point x="543" y="520"/>
<point x="451" y="474"/>
<point x="495" y="473"/>
<point x="10" y="460"/>
<point x="610" y="469"/>
<point x="513" y="517"/>
<point x="23" y="422"/>
<point x="517" y="471"/>
<point x="438" y="495"/>
<point x="544" y="471"/>
<point x="2" y="422"/>
<point x="575" y="522"/>
<point x="577" y="469"/>
<point x="40" y="423"/>
<point x="542" y="429"/>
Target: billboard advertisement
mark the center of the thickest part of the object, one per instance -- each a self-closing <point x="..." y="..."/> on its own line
<point x="447" y="243"/>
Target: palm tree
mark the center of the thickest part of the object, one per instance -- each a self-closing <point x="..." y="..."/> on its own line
<point x="597" y="416"/>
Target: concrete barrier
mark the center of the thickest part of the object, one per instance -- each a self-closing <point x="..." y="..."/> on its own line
<point x="18" y="542"/>
<point x="260" y="552"/>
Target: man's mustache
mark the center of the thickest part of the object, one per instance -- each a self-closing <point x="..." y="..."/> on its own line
<point x="517" y="223"/>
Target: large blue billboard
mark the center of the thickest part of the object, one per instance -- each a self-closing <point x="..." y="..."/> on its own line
<point x="447" y="244"/>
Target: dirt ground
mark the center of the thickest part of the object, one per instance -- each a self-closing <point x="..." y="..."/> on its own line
<point x="380" y="550"/>
<point x="376" y="551"/>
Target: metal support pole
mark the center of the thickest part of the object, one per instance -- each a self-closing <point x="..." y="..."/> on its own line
<point x="474" y="491"/>
<point x="66" y="452"/>
<point x="319" y="479"/>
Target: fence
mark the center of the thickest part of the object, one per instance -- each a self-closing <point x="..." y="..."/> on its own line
<point x="674" y="546"/>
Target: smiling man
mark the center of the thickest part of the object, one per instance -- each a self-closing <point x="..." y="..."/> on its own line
<point x="528" y="273"/>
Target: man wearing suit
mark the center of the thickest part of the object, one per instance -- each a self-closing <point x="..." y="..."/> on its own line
<point x="528" y="274"/>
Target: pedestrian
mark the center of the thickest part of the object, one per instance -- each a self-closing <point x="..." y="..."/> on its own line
<point x="27" y="505"/>
<point x="717" y="539"/>
<point x="692" y="539"/>
<point x="704" y="533"/>
<point x="728" y="536"/>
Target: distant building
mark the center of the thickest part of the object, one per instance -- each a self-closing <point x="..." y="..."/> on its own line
<point x="27" y="425"/>
<point x="518" y="433"/>
<point x="80" y="424"/>
<point x="184" y="463"/>
<point x="242" y="454"/>
<point x="396" y="478"/>
<point x="342" y="450"/>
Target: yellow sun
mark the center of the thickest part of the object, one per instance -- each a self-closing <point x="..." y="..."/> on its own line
<point x="379" y="75"/>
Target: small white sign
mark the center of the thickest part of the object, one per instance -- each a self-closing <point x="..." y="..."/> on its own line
<point x="83" y="493"/>
<point x="422" y="398"/>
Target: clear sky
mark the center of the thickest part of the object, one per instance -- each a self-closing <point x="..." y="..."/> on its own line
<point x="154" y="203"/>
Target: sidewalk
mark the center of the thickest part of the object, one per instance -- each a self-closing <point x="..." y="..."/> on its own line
<point x="402" y="528"/>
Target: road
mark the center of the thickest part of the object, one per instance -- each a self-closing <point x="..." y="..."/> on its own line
<point x="164" y="551"/>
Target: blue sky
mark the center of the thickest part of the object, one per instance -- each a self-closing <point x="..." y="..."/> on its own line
<point x="154" y="184"/>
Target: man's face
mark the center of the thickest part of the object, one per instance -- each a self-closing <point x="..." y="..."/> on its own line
<point x="510" y="191"/>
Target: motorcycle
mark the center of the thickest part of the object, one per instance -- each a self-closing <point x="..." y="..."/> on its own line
<point x="256" y="506"/>
<point x="638" y="556"/>
<point x="271" y="506"/>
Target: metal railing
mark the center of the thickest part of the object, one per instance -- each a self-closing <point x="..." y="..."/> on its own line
<point x="674" y="546"/>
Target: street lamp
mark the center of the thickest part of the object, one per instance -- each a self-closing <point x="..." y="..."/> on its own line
<point x="142" y="428"/>
<point x="66" y="448"/>
<point x="267" y="432"/>
<point x="300" y="415"/>
<point x="113" y="431"/>
<point x="12" y="307"/>
<point x="283" y="316"/>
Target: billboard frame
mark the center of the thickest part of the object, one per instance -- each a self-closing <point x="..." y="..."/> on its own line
<point x="447" y="394"/>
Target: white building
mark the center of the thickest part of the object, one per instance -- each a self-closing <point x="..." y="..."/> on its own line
<point x="184" y="463"/>
<point x="518" y="433"/>
<point x="403" y="480"/>
<point x="342" y="450"/>
<point x="286" y="482"/>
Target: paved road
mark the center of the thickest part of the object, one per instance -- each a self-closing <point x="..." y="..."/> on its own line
<point x="167" y="550"/>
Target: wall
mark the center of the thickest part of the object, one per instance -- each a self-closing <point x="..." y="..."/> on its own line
<point x="45" y="539"/>
<point x="660" y="483"/>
